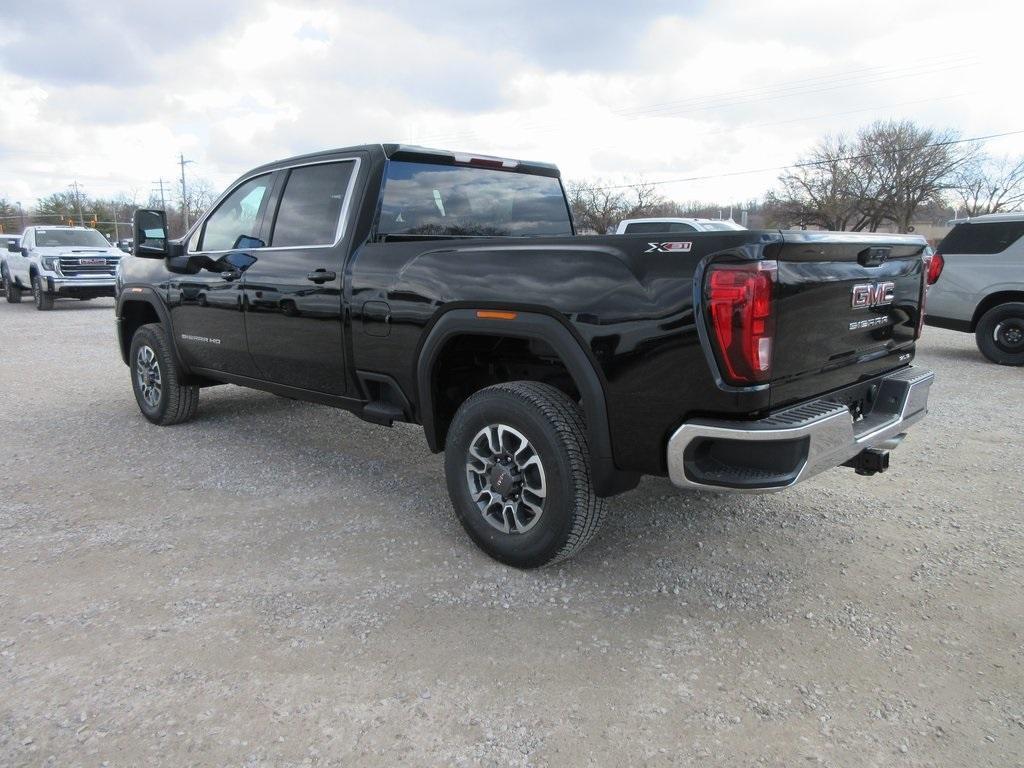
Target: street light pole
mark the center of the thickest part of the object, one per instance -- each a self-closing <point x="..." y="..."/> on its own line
<point x="21" y="213"/>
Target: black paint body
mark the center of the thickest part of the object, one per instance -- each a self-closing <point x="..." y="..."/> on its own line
<point x="635" y="313"/>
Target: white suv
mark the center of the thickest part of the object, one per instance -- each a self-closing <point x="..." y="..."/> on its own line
<point x="60" y="262"/>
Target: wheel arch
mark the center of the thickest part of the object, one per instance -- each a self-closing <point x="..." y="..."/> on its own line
<point x="571" y="353"/>
<point x="138" y="306"/>
<point x="994" y="300"/>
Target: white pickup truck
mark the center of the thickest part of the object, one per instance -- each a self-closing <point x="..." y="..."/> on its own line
<point x="60" y="262"/>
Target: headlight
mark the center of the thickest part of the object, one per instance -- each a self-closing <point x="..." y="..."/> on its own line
<point x="50" y="262"/>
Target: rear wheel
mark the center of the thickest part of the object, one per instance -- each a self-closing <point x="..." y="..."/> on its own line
<point x="12" y="289"/>
<point x="1000" y="334"/>
<point x="43" y="298"/>
<point x="518" y="471"/>
<point x="156" y="378"/>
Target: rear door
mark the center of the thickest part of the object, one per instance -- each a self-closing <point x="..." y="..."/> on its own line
<point x="293" y="292"/>
<point x="847" y="308"/>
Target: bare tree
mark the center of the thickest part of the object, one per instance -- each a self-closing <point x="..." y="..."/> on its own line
<point x="909" y="165"/>
<point x="596" y="206"/>
<point x="887" y="173"/>
<point x="989" y="185"/>
<point x="824" y="190"/>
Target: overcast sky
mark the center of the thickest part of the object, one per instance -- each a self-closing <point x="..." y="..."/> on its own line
<point x="108" y="93"/>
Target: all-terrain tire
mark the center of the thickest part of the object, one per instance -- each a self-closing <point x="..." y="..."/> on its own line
<point x="156" y="378"/>
<point x="553" y="427"/>
<point x="43" y="299"/>
<point x="1000" y="334"/>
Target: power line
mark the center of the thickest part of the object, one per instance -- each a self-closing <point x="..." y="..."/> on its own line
<point x="810" y="163"/>
<point x="806" y="86"/>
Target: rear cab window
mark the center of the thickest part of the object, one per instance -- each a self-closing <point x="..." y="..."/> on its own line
<point x="428" y="199"/>
<point x="982" y="237"/>
<point x="648" y="227"/>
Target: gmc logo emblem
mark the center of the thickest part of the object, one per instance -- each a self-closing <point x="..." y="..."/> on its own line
<point x="872" y="295"/>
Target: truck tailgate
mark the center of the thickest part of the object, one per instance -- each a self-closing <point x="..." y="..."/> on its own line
<point x="847" y="308"/>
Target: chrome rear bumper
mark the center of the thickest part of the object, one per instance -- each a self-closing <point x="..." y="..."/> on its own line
<point x="796" y="443"/>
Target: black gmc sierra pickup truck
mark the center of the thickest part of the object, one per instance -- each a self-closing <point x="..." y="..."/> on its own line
<point x="450" y="291"/>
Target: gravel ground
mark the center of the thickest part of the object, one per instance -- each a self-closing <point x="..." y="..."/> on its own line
<point x="280" y="583"/>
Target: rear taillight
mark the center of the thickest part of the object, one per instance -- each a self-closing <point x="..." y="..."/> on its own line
<point x="740" y="309"/>
<point x="935" y="267"/>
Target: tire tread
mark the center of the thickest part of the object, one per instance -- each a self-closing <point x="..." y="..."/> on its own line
<point x="182" y="399"/>
<point x="566" y="418"/>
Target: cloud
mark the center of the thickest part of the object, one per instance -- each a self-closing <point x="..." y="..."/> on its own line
<point x="109" y="95"/>
<point x="68" y="42"/>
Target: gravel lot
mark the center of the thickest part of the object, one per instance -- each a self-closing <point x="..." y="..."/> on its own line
<point x="280" y="583"/>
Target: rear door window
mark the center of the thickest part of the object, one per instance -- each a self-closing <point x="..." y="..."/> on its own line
<point x="310" y="209"/>
<point x="982" y="237"/>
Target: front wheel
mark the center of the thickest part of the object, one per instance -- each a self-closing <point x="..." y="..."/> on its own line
<point x="43" y="298"/>
<point x="12" y="289"/>
<point x="156" y="378"/>
<point x="1000" y="334"/>
<point x="517" y="465"/>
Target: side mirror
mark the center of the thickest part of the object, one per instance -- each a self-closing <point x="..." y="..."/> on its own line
<point x="150" y="228"/>
<point x="14" y="246"/>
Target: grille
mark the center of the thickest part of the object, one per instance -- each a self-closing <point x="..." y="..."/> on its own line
<point x="103" y="266"/>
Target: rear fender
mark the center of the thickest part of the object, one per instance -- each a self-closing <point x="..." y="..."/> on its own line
<point x="608" y="479"/>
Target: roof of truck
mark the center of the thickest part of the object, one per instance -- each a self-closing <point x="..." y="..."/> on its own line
<point x="415" y="152"/>
<point x="991" y="217"/>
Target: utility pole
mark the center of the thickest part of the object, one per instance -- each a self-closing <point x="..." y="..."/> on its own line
<point x="21" y="213"/>
<point x="184" y="197"/>
<point x="78" y="203"/>
<point x="160" y="185"/>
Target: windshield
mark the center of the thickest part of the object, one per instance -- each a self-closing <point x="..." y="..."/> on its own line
<point x="448" y="200"/>
<point x="56" y="238"/>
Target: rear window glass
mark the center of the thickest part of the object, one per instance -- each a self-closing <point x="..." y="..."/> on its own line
<point x="310" y="209"/>
<point x="446" y="200"/>
<point x="645" y="227"/>
<point x="982" y="237"/>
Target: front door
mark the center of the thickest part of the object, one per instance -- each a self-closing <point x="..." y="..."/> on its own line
<point x="293" y="292"/>
<point x="207" y="307"/>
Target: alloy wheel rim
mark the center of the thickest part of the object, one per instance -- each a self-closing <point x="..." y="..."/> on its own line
<point x="506" y="479"/>
<point x="147" y="375"/>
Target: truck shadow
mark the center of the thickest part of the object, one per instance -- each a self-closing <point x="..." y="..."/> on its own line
<point x="702" y="549"/>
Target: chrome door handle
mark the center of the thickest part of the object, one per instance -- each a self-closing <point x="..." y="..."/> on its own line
<point x="321" y="276"/>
